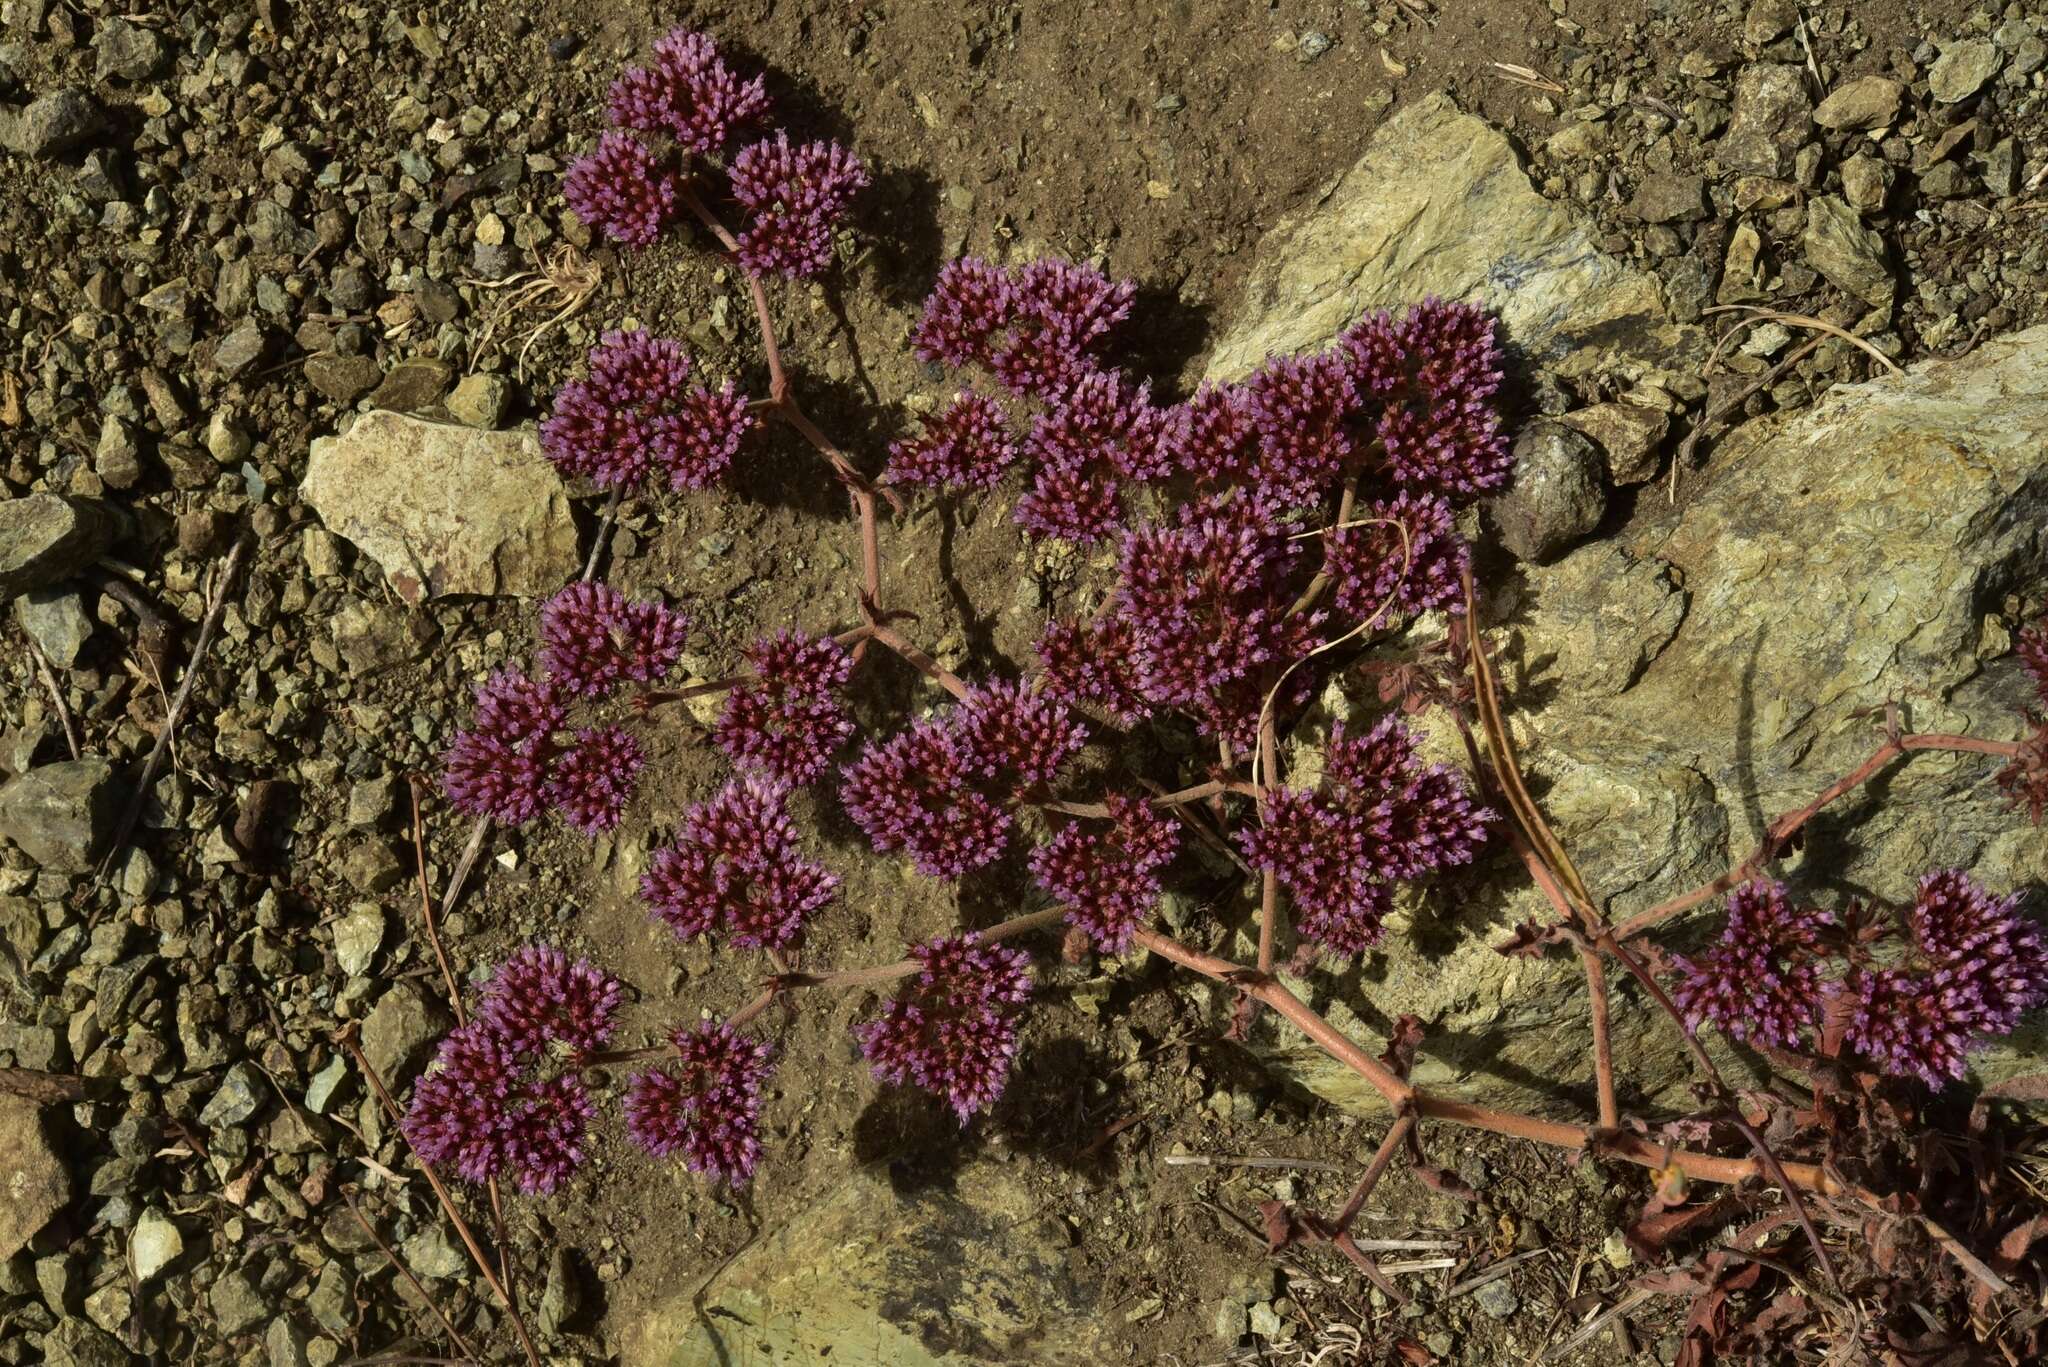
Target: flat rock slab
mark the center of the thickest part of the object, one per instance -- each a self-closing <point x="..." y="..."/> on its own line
<point x="34" y="1183"/>
<point x="446" y="510"/>
<point x="1439" y="205"/>
<point x="48" y="537"/>
<point x="60" y="814"/>
<point x="869" y="1277"/>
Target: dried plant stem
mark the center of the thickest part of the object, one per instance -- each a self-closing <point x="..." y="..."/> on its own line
<point x="1269" y="883"/>
<point x="1179" y="797"/>
<point x="1787" y="825"/>
<point x="454" y="1335"/>
<point x="225" y="580"/>
<point x="917" y="659"/>
<point x="56" y="696"/>
<point x="448" y="1208"/>
<point x="1389" y="1146"/>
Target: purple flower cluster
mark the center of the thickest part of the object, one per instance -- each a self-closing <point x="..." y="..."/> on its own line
<point x="623" y="190"/>
<point x="1759" y="982"/>
<point x="688" y="93"/>
<point x="490" y="1105"/>
<point x="707" y="1106"/>
<point x="938" y="790"/>
<point x="518" y="758"/>
<point x="966" y="447"/>
<point x="798" y="192"/>
<point x="788" y="720"/>
<point x="953" y="1029"/>
<point x="1034" y="327"/>
<point x="1972" y="966"/>
<point x="1108" y="876"/>
<point x="1409" y="560"/>
<point x="1379" y="816"/>
<point x="1101" y="434"/>
<point x="734" y="868"/>
<point x="638" y="415"/>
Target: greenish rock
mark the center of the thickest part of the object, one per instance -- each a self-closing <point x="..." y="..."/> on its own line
<point x="1627" y="434"/>
<point x="1673" y="694"/>
<point x="47" y="537"/>
<point x="1866" y="102"/>
<point x="34" y="1182"/>
<point x="446" y="509"/>
<point x="56" y="621"/>
<point x="153" y="1245"/>
<point x="872" y="1277"/>
<point x="399" y="1029"/>
<point x="481" y="400"/>
<point x="413" y="384"/>
<point x="60" y="815"/>
<point x="80" y="1343"/>
<point x="1963" y="68"/>
<point x="237" y="1306"/>
<point x="331" y="1305"/>
<point x="1770" y="119"/>
<point x="325" y="1084"/>
<point x="1852" y="257"/>
<point x="1439" y="205"/>
<point x="432" y="1253"/>
<point x="240" y="1093"/>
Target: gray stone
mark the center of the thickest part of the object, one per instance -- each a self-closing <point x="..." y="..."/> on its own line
<point x="127" y="50"/>
<point x="1498" y="1299"/>
<point x="376" y="636"/>
<point x="285" y="1343"/>
<point x="399" y="1029"/>
<point x="1769" y="122"/>
<point x="326" y="1085"/>
<point x="357" y="937"/>
<point x="562" y="1298"/>
<point x="1823" y="565"/>
<point x="1865" y="182"/>
<point x="946" y="1276"/>
<point x="1866" y="102"/>
<point x="56" y="621"/>
<point x="1963" y="69"/>
<point x="343" y="379"/>
<point x="331" y="1304"/>
<point x="445" y="509"/>
<point x="1850" y="255"/>
<point x="117" y="459"/>
<point x="153" y="1245"/>
<point x="34" y="1182"/>
<point x="226" y="442"/>
<point x="60" y="814"/>
<point x="52" y="125"/>
<point x="371" y="802"/>
<point x="433" y="1253"/>
<point x="242" y="349"/>
<point x="80" y="1343"/>
<point x="237" y="1306"/>
<point x="413" y="384"/>
<point x="1944" y="180"/>
<point x="481" y="400"/>
<point x="1439" y="205"/>
<point x="1627" y="434"/>
<point x="47" y="537"/>
<point x="1555" y="497"/>
<point x="239" y="1095"/>
<point x="1667" y="197"/>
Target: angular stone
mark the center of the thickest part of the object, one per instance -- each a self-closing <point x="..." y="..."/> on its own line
<point x="413" y="384"/>
<point x="34" y="1183"/>
<point x="52" y="125"/>
<point x="127" y="50"/>
<point x="1724" y="667"/>
<point x="237" y="1305"/>
<point x="1627" y="434"/>
<point x="357" y="937"/>
<point x="60" y="814"/>
<point x="1667" y="197"/>
<point x="47" y="537"/>
<point x="1865" y="182"/>
<point x="1963" y="68"/>
<point x="117" y="459"/>
<point x="241" y="349"/>
<point x="374" y="636"/>
<point x="1742" y="267"/>
<point x="481" y="400"/>
<point x="1850" y="255"/>
<point x="80" y="1343"/>
<point x="239" y="1096"/>
<point x="56" y="621"/>
<point x="946" y="1276"/>
<point x="1439" y="205"/>
<point x="445" y="509"/>
<point x="1866" y="102"/>
<point x="1556" y="495"/>
<point x="1772" y="110"/>
<point x="343" y="379"/>
<point x="399" y="1029"/>
<point x="153" y="1245"/>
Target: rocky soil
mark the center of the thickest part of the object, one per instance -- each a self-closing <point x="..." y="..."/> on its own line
<point x="283" y="287"/>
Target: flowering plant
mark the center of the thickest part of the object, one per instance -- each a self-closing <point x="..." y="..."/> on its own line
<point x="1257" y="528"/>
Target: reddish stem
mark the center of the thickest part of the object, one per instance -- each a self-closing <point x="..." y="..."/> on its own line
<point x="923" y="663"/>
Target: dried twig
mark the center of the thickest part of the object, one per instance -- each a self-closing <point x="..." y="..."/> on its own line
<point x="56" y="695"/>
<point x="454" y="1334"/>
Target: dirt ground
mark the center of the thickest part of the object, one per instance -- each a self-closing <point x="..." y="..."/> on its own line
<point x="1156" y="139"/>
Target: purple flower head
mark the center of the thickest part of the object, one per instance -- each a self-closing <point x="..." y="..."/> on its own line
<point x="498" y="768"/>
<point x="952" y="1030"/>
<point x="1100" y="432"/>
<point x="966" y="447"/>
<point x="622" y="190"/>
<point x="1897" y="1020"/>
<point x="734" y="868"/>
<point x="914" y="792"/>
<point x="1374" y="570"/>
<point x="1301" y="408"/>
<point x="1013" y="737"/>
<point x="1205" y="605"/>
<point x="593" y="638"/>
<point x="540" y="996"/>
<point x="1107" y="876"/>
<point x="1089" y="665"/>
<point x="788" y="720"/>
<point x="1761" y="981"/>
<point x="482" y="1111"/>
<point x="621" y="422"/>
<point x="797" y="193"/>
<point x="593" y="778"/>
<point x="1989" y="963"/>
<point x="1035" y="327"/>
<point x="689" y="93"/>
<point x="710" y="426"/>
<point x="1378" y="816"/>
<point x="707" y="1105"/>
<point x="970" y="304"/>
<point x="1213" y="438"/>
<point x="1435" y="372"/>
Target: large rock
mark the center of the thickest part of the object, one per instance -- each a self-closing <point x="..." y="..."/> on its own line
<point x="444" y="509"/>
<point x="47" y="537"/>
<point x="870" y="1278"/>
<point x="60" y="814"/>
<point x="52" y="125"/>
<point x="1439" y="205"/>
<point x="1674" y="694"/>
<point x="34" y="1183"/>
